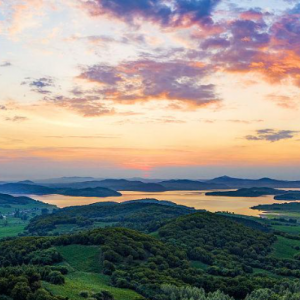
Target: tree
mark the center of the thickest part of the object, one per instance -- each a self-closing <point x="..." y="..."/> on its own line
<point x="20" y="291"/>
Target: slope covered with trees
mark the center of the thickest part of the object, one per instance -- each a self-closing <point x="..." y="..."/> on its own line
<point x="145" y="215"/>
<point x="230" y="249"/>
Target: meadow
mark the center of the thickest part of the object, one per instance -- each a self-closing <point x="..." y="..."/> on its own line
<point x="85" y="268"/>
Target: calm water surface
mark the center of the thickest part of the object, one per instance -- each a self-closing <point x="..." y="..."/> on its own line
<point x="196" y="199"/>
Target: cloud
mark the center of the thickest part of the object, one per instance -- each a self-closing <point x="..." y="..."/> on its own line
<point x="40" y="85"/>
<point x="169" y="120"/>
<point x="253" y="14"/>
<point x="176" y="13"/>
<point x="237" y="121"/>
<point x="253" y="40"/>
<point x="88" y="106"/>
<point x="147" y="79"/>
<point x="104" y="40"/>
<point x="258" y="44"/>
<point x="242" y="46"/>
<point x="17" y="119"/>
<point x="5" y="64"/>
<point x="244" y="121"/>
<point x="285" y="101"/>
<point x="100" y="136"/>
<point x="272" y="135"/>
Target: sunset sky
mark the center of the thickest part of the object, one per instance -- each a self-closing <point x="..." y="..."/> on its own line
<point x="149" y="88"/>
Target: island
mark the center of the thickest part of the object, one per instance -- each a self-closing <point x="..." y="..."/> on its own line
<point x="248" y="192"/>
<point x="289" y="196"/>
<point x="291" y="207"/>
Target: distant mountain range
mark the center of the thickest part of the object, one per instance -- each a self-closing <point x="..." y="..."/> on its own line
<point x="223" y="182"/>
<point x="116" y="184"/>
<point x="190" y="185"/>
<point x="83" y="186"/>
<point x="64" y="180"/>
<point x="127" y="185"/>
<point x="249" y="183"/>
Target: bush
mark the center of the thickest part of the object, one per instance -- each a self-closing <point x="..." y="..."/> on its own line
<point x="56" y="277"/>
<point x="84" y="294"/>
<point x="104" y="295"/>
<point x="108" y="267"/>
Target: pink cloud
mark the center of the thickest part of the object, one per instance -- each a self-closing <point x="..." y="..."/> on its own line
<point x="147" y="79"/>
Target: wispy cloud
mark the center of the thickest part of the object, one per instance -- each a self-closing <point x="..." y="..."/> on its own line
<point x="5" y="64"/>
<point x="100" y="136"/>
<point x="272" y="135"/>
<point x="17" y="119"/>
<point x="88" y="106"/>
<point x="285" y="101"/>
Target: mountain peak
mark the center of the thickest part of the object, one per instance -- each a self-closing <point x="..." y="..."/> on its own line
<point x="26" y="182"/>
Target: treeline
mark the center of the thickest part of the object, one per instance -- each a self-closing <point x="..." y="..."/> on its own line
<point x="285" y="291"/>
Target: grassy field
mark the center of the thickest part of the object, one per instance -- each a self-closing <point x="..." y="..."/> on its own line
<point x="77" y="282"/>
<point x="84" y="262"/>
<point x="287" y="229"/>
<point x="154" y="234"/>
<point x="282" y="214"/>
<point x="284" y="248"/>
<point x="13" y="228"/>
<point x="82" y="258"/>
<point x="37" y="205"/>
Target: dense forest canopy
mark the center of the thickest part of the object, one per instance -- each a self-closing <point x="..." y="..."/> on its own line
<point x="146" y="215"/>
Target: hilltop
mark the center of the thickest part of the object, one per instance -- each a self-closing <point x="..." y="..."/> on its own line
<point x="146" y="215"/>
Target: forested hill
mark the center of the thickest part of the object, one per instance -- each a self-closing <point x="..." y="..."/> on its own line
<point x="209" y="238"/>
<point x="145" y="215"/>
<point x="11" y="200"/>
<point x="28" y="188"/>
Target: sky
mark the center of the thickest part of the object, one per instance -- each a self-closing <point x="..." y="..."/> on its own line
<point x="149" y="88"/>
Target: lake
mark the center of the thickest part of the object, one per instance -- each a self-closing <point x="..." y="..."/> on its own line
<point x="196" y="199"/>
